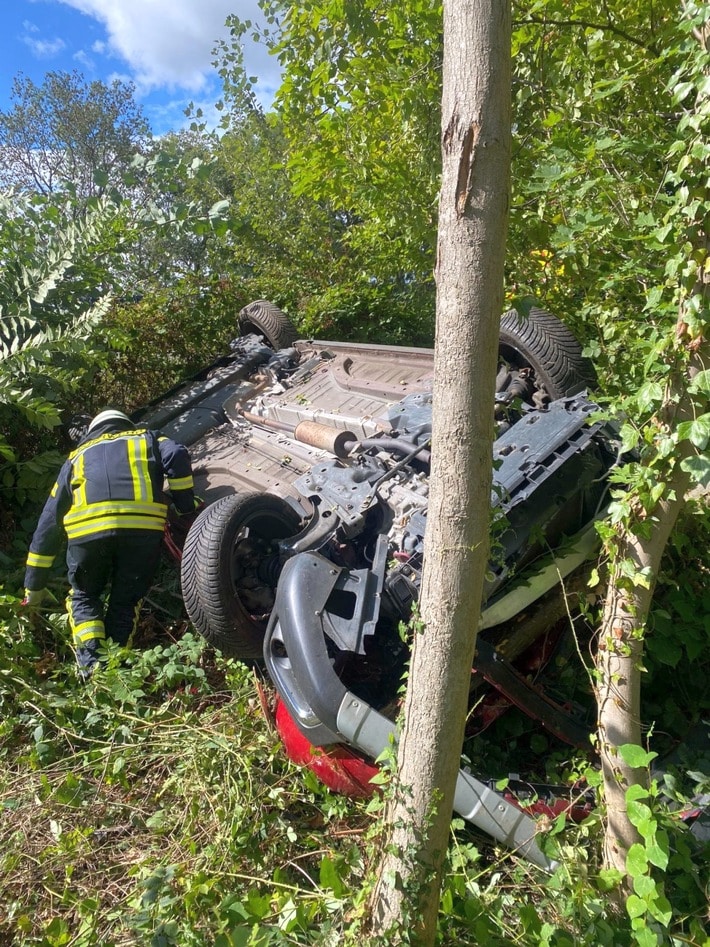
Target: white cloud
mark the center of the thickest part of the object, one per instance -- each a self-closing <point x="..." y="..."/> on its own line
<point x="44" y="48"/>
<point x="168" y="43"/>
<point x="84" y="60"/>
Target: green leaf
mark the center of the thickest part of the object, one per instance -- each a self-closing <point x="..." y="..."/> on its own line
<point x="637" y="792"/>
<point x="610" y="878"/>
<point x="635" y="906"/>
<point x="658" y="851"/>
<point x="644" y="936"/>
<point x="647" y="827"/>
<point x="635" y="756"/>
<point x="698" y="468"/>
<point x="629" y="437"/>
<point x="666" y="649"/>
<point x="258" y="905"/>
<point x="638" y="812"/>
<point x="696" y="431"/>
<point x="636" y="861"/>
<point x="661" y="910"/>
<point x="644" y="886"/>
<point x="700" y="384"/>
<point x="523" y="305"/>
<point x="330" y="878"/>
<point x="649" y="395"/>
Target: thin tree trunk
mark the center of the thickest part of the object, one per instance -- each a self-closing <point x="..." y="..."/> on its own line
<point x="619" y="662"/>
<point x="472" y="228"/>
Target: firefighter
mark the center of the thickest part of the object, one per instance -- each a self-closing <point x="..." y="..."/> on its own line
<point x="108" y="500"/>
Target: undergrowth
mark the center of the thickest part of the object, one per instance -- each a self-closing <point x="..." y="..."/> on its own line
<point x="154" y="806"/>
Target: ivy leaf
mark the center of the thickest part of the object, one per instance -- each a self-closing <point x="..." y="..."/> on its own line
<point x="667" y="650"/>
<point x="523" y="305"/>
<point x="661" y="910"/>
<point x="629" y="437"/>
<point x="649" y="395"/>
<point x="701" y="383"/>
<point x="609" y="878"/>
<point x="696" y="431"/>
<point x="698" y="468"/>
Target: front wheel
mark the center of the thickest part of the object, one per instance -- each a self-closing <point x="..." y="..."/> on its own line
<point x="543" y="344"/>
<point x="230" y="568"/>
<point x="262" y="317"/>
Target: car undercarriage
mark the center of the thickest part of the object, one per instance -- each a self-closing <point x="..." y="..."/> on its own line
<point x="313" y="459"/>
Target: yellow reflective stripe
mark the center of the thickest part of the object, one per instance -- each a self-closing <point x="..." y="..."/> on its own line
<point x="136" y="616"/>
<point x="112" y="436"/>
<point x="181" y="483"/>
<point x="39" y="562"/>
<point x="101" y="524"/>
<point x="83" y="631"/>
<point x="53" y="492"/>
<point x="79" y="482"/>
<point x="138" y="464"/>
<point x="115" y="508"/>
<point x="88" y="631"/>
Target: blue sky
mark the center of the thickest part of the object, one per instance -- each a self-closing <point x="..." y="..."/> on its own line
<point x="164" y="47"/>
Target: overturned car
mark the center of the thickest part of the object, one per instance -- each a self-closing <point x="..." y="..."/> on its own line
<point x="313" y="459"/>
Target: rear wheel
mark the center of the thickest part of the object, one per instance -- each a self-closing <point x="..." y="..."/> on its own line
<point x="230" y="567"/>
<point x="543" y="344"/>
<point x="262" y="317"/>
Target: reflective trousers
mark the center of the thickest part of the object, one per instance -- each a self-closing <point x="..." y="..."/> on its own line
<point x="109" y="578"/>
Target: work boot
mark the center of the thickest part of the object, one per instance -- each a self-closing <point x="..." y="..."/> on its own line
<point x="87" y="658"/>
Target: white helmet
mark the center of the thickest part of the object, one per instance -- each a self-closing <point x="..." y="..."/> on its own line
<point x="109" y="415"/>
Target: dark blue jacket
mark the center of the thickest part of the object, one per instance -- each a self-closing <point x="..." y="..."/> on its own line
<point x="111" y="485"/>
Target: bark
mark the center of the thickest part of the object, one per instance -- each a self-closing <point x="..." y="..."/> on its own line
<point x="619" y="662"/>
<point x="472" y="228"/>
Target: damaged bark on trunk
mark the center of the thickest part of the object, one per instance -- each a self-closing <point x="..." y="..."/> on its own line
<point x="473" y="211"/>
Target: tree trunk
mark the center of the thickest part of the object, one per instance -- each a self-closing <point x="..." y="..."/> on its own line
<point x="473" y="212"/>
<point x="619" y="662"/>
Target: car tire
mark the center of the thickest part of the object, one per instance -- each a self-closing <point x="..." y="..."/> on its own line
<point x="230" y="567"/>
<point x="541" y="342"/>
<point x="262" y="317"/>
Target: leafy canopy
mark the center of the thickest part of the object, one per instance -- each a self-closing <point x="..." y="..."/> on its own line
<point x="66" y="130"/>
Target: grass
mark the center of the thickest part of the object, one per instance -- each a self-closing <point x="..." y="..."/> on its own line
<point x="155" y="807"/>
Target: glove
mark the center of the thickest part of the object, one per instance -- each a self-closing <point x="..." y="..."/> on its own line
<point x="198" y="508"/>
<point x="174" y="513"/>
<point x="178" y="525"/>
<point x="34" y="597"/>
<point x="186" y="519"/>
